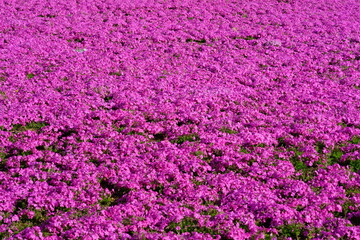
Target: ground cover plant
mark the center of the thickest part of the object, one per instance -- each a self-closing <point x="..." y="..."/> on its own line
<point x="180" y="119"/>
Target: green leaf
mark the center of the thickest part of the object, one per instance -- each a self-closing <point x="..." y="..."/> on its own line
<point x="30" y="75"/>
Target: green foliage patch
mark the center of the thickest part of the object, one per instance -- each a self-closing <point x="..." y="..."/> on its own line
<point x="33" y="126"/>
<point x="189" y="224"/>
<point x="228" y="130"/>
<point x="30" y="75"/>
<point x="211" y="212"/>
<point x="186" y="138"/>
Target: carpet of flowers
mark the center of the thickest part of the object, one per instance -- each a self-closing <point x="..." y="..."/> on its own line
<point x="167" y="119"/>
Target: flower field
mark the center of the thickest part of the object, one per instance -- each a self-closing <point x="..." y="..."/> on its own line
<point x="167" y="119"/>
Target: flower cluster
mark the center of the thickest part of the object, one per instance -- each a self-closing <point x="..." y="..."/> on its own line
<point x="180" y="119"/>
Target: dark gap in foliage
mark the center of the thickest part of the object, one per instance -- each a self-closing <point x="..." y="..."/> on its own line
<point x="21" y="204"/>
<point x="353" y="164"/>
<point x="263" y="65"/>
<point x="79" y="40"/>
<point x="23" y="164"/>
<point x="25" y="153"/>
<point x="295" y="134"/>
<point x="300" y="208"/>
<point x="59" y="89"/>
<point x="16" y="175"/>
<point x="56" y="149"/>
<point x="266" y="223"/>
<point x="347" y="124"/>
<point x="61" y="167"/>
<point x="107" y="151"/>
<point x="210" y="202"/>
<point x="218" y="152"/>
<point x="251" y="37"/>
<point x="120" y="128"/>
<point x="185" y="122"/>
<point x="333" y="62"/>
<point x="281" y="143"/>
<point x="355" y="220"/>
<point x="157" y="187"/>
<point x="200" y="41"/>
<point x="160" y="137"/>
<point x="234" y="168"/>
<point x="96" y="162"/>
<point x="47" y="16"/>
<point x="197" y="41"/>
<point x="320" y="146"/>
<point x="50" y="181"/>
<point x="117" y="192"/>
<point x="15" y="152"/>
<point x="52" y="148"/>
<point x="151" y="119"/>
<point x="115" y="74"/>
<point x="67" y="133"/>
<point x="3" y="167"/>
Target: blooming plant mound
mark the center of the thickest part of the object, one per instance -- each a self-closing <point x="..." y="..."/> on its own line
<point x="171" y="119"/>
